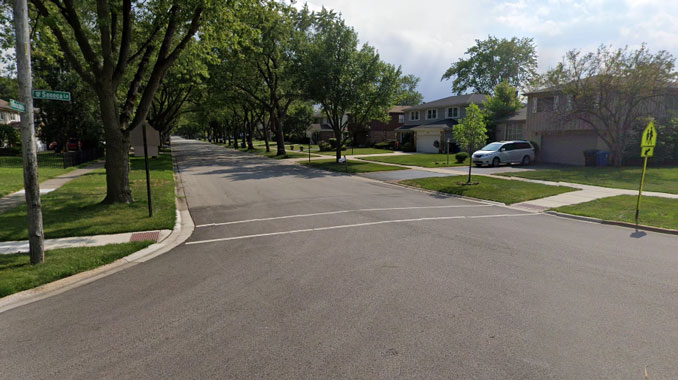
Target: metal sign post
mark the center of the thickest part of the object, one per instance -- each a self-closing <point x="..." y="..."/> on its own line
<point x="647" y="144"/>
<point x="148" y="175"/>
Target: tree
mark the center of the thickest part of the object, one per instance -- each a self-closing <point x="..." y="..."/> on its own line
<point x="470" y="133"/>
<point x="503" y="103"/>
<point x="351" y="85"/>
<point x="263" y="64"/>
<point x="492" y="61"/>
<point x="611" y="90"/>
<point x="120" y="47"/>
<point x="407" y="93"/>
<point x="299" y="118"/>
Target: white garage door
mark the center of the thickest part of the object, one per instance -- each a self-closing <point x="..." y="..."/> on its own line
<point x="425" y="141"/>
<point x="566" y="149"/>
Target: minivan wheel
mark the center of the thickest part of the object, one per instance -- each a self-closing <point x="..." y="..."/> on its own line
<point x="495" y="161"/>
<point x="526" y="161"/>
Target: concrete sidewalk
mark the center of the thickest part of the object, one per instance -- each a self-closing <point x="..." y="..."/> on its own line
<point x="9" y="247"/>
<point x="14" y="199"/>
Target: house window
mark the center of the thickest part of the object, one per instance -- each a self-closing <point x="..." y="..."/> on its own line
<point x="545" y="104"/>
<point x="2" y="116"/>
<point x="414" y="115"/>
<point x="514" y="132"/>
<point x="453" y="113"/>
<point x="431" y="114"/>
<point x="535" y="102"/>
<point x="401" y="118"/>
<point x="569" y="102"/>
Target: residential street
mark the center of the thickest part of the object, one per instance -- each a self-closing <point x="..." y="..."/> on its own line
<point x="296" y="273"/>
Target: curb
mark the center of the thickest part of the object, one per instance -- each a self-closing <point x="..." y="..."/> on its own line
<point x="183" y="228"/>
<point x="613" y="223"/>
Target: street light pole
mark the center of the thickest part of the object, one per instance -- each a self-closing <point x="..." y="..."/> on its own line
<point x="28" y="146"/>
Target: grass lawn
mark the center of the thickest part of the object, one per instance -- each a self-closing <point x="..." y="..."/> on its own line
<point x="12" y="174"/>
<point x="654" y="211"/>
<point x="353" y="166"/>
<point x="356" y="151"/>
<point x="76" y="210"/>
<point x="17" y="274"/>
<point x="493" y="189"/>
<point x="664" y="180"/>
<point x="432" y="160"/>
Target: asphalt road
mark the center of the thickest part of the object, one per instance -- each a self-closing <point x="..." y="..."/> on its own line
<point x="294" y="273"/>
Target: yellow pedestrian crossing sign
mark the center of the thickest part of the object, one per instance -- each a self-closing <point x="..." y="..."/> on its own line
<point x="647" y="151"/>
<point x="649" y="136"/>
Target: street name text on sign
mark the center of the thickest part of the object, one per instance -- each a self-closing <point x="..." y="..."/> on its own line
<point x="52" y="95"/>
<point x="13" y="104"/>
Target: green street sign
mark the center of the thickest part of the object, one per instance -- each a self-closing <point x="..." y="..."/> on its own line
<point x="13" y="104"/>
<point x="52" y="95"/>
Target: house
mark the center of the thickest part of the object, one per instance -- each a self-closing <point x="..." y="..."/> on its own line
<point x="321" y="130"/>
<point x="380" y="131"/>
<point x="7" y="115"/>
<point x="512" y="127"/>
<point x="427" y="126"/>
<point x="565" y="142"/>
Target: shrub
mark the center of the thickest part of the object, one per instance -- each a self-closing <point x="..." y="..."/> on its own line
<point x="333" y="142"/>
<point x="536" y="148"/>
<point x="408" y="147"/>
<point x="386" y="145"/>
<point x="461" y="157"/>
<point x="324" y="146"/>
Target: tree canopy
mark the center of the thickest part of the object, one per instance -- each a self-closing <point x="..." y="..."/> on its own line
<point x="491" y="62"/>
<point x="470" y="134"/>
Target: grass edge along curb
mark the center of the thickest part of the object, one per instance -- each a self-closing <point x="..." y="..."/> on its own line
<point x="612" y="222"/>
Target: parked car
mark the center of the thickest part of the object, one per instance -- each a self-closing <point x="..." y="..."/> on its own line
<point x="505" y="152"/>
<point x="74" y="144"/>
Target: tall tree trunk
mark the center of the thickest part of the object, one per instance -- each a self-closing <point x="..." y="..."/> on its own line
<point x="117" y="150"/>
<point x="266" y="127"/>
<point x="337" y="136"/>
<point x="250" y="145"/>
<point x="470" y="163"/>
<point x="279" y="137"/>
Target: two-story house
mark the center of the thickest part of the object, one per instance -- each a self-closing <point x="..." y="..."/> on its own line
<point x="429" y="125"/>
<point x="380" y="131"/>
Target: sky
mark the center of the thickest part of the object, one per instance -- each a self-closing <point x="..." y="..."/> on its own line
<point x="424" y="37"/>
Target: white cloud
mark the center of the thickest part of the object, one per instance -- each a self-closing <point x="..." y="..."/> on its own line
<point x="424" y="37"/>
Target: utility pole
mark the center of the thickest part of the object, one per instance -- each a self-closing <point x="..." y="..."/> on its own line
<point x="28" y="146"/>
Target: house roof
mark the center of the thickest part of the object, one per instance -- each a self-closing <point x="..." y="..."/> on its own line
<point x="436" y="124"/>
<point x="520" y="115"/>
<point x="4" y="105"/>
<point x="398" y="109"/>
<point x="320" y="127"/>
<point x="450" y="101"/>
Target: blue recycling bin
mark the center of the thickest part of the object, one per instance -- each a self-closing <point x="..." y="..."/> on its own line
<point x="601" y="158"/>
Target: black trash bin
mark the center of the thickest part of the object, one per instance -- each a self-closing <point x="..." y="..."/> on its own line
<point x="590" y="157"/>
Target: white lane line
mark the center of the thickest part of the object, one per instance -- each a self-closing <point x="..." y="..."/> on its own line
<point x="338" y="212"/>
<point x="357" y="225"/>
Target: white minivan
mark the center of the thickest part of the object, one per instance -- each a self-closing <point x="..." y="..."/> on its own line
<point x="505" y="152"/>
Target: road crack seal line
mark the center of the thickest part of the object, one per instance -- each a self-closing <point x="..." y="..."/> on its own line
<point x="358" y="225"/>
